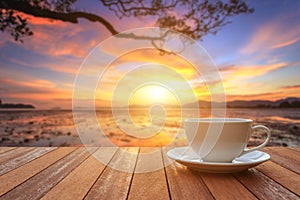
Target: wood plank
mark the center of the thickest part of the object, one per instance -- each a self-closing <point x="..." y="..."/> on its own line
<point x="69" y="173"/>
<point x="285" y="157"/>
<point x="285" y="177"/>
<point x="9" y="155"/>
<point x="149" y="181"/>
<point x="17" y="176"/>
<point x="78" y="182"/>
<point x="25" y="158"/>
<point x="295" y="148"/>
<point x="183" y="184"/>
<point x="225" y="186"/>
<point x="40" y="184"/>
<point x="4" y="149"/>
<point x="263" y="187"/>
<point x="114" y="184"/>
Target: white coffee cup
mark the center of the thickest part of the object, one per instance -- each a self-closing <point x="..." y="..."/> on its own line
<point x="221" y="139"/>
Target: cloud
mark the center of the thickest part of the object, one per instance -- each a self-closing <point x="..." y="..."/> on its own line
<point x="291" y="87"/>
<point x="37" y="90"/>
<point x="275" y="93"/>
<point x="43" y="21"/>
<point x="40" y="97"/>
<point x="237" y="72"/>
<point x="145" y="65"/>
<point x="291" y="90"/>
<point x="38" y="83"/>
<point x="69" y="66"/>
<point x="136" y="58"/>
<point x="258" y="96"/>
<point x="64" y="45"/>
<point x="278" y="33"/>
<point x="247" y="82"/>
<point x="56" y="38"/>
<point x="284" y="44"/>
<point x="227" y="68"/>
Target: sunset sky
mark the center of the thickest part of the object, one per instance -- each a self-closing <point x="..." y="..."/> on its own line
<point x="258" y="56"/>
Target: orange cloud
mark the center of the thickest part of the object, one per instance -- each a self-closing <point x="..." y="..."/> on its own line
<point x="57" y="38"/>
<point x="66" y="69"/>
<point x="41" y="92"/>
<point x="40" y="97"/>
<point x="291" y="90"/>
<point x="272" y="96"/>
<point x="41" y="21"/>
<point x="152" y="55"/>
<point x="234" y="72"/>
<point x="47" y="95"/>
<point x="260" y="96"/>
<point x="182" y="72"/>
<point x="238" y="85"/>
<point x="291" y="87"/>
<point x="38" y="83"/>
<point x="53" y="41"/>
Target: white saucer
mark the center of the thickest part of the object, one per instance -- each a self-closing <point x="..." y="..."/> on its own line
<point x="187" y="157"/>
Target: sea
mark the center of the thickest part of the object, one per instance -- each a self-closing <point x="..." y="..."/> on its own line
<point x="134" y="127"/>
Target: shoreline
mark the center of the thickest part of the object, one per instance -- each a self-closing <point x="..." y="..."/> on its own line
<point x="282" y="135"/>
<point x="56" y="128"/>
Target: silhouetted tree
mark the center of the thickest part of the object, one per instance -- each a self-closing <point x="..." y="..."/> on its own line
<point x="295" y="104"/>
<point x="191" y="17"/>
<point x="285" y="104"/>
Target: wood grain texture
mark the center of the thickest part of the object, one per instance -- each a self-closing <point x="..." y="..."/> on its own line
<point x="40" y="184"/>
<point x="183" y="184"/>
<point x="23" y="159"/>
<point x="113" y="183"/>
<point x="225" y="186"/>
<point x="149" y="182"/>
<point x="19" y="175"/>
<point x="285" y="177"/>
<point x="73" y="173"/>
<point x="295" y="148"/>
<point x="9" y="155"/>
<point x="4" y="149"/>
<point x="285" y="157"/>
<point x="85" y="174"/>
<point x="264" y="187"/>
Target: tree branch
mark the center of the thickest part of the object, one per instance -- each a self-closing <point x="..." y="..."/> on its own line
<point x="193" y="18"/>
<point x="71" y="17"/>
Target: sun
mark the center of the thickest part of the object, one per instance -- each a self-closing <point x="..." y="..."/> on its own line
<point x="157" y="93"/>
<point x="153" y="94"/>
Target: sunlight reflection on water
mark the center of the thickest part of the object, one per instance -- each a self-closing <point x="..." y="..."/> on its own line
<point x="45" y="128"/>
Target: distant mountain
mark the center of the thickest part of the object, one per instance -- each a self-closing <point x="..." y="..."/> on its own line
<point x="10" y="105"/>
<point x="288" y="102"/>
<point x="254" y="103"/>
<point x="291" y="102"/>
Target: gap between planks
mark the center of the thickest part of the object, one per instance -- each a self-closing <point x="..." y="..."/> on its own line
<point x="38" y="185"/>
<point x="17" y="176"/>
<point x="113" y="183"/>
<point x="149" y="180"/>
<point x="78" y="183"/>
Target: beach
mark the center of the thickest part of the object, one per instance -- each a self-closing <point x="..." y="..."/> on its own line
<point x="56" y="127"/>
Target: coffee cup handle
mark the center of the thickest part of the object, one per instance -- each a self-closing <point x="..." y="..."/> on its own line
<point x="266" y="130"/>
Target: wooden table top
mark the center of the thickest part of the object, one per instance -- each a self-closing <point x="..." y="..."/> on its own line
<point x="72" y="173"/>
